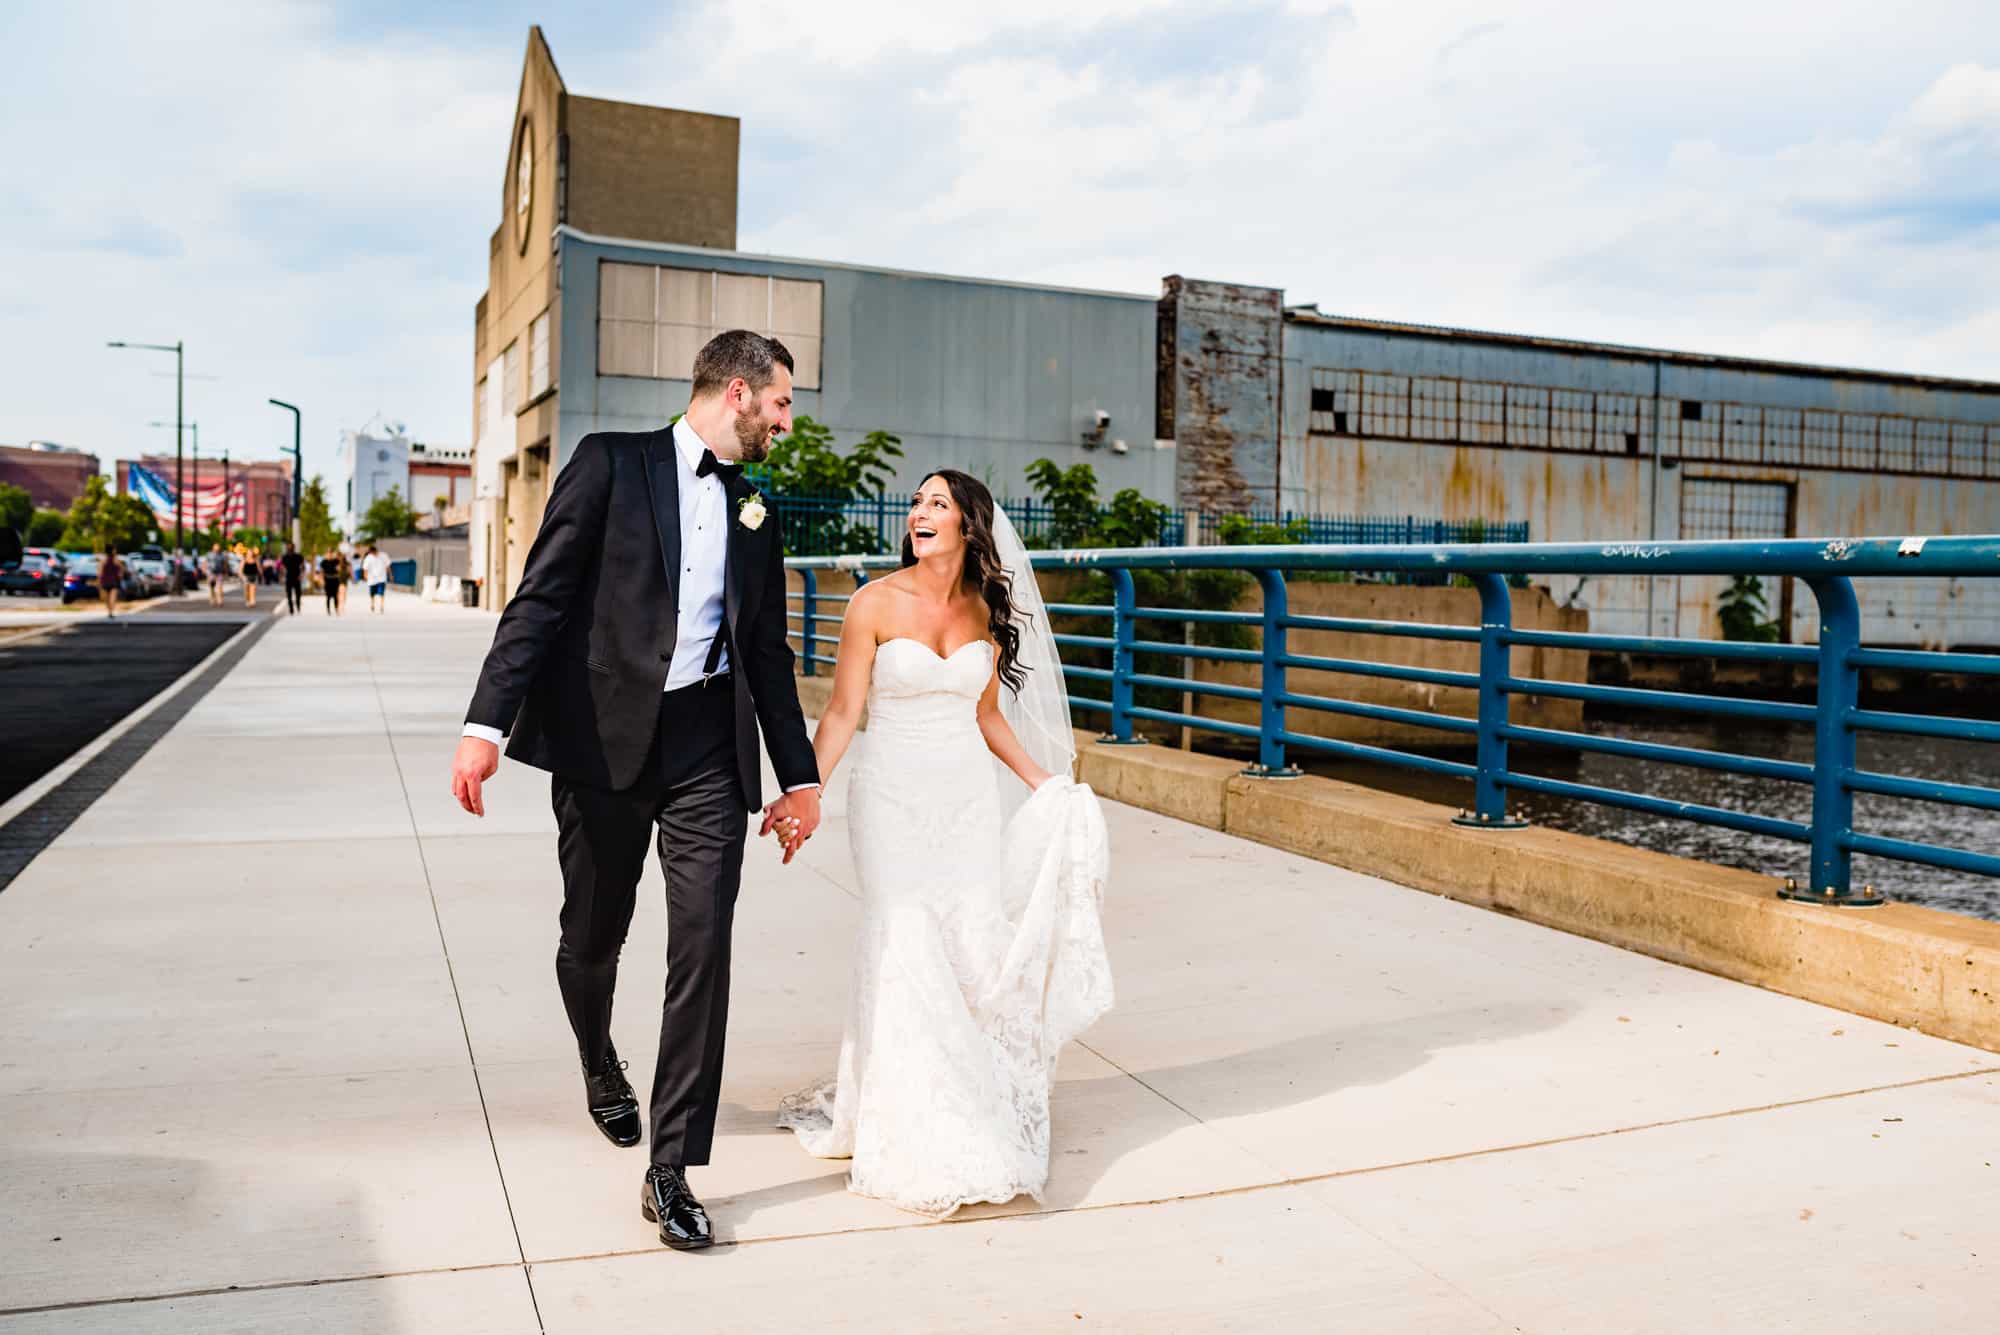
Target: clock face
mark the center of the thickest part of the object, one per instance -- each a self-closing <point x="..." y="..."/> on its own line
<point x="524" y="184"/>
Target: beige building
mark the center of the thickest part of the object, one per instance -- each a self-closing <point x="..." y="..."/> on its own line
<point x="597" y="167"/>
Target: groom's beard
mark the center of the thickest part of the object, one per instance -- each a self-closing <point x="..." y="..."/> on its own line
<point x="753" y="440"/>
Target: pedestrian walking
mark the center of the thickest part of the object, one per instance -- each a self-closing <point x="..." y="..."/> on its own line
<point x="329" y="574"/>
<point x="218" y="569"/>
<point x="295" y="569"/>
<point x="109" y="575"/>
<point x="248" y="561"/>
<point x="346" y="577"/>
<point x="375" y="574"/>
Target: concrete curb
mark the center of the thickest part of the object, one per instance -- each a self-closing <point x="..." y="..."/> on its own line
<point x="1929" y="970"/>
<point x="1932" y="971"/>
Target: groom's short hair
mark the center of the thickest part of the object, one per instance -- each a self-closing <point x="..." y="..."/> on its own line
<point x="739" y="352"/>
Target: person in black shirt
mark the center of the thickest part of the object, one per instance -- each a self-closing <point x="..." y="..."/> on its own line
<point x="295" y="569"/>
<point x="329" y="573"/>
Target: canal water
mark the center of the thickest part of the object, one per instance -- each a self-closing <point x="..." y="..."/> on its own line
<point x="1899" y="818"/>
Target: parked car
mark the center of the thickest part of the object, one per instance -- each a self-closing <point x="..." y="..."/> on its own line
<point x="150" y="575"/>
<point x="36" y="573"/>
<point x="80" y="580"/>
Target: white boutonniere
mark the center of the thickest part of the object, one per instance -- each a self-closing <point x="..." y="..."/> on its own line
<point x="750" y="512"/>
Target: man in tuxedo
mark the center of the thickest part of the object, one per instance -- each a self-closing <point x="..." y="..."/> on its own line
<point x="635" y="662"/>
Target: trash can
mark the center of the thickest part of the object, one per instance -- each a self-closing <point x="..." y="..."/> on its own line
<point x="468" y="592"/>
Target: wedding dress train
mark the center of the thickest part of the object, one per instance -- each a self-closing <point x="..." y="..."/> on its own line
<point x="980" y="950"/>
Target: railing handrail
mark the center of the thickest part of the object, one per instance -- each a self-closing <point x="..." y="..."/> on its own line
<point x="1804" y="557"/>
<point x="1827" y="566"/>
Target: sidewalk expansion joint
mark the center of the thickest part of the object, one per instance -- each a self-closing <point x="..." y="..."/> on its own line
<point x="451" y="972"/>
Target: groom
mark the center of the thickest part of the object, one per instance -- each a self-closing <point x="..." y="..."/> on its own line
<point x="640" y="652"/>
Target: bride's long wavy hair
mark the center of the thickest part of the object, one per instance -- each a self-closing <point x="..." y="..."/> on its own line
<point x="983" y="571"/>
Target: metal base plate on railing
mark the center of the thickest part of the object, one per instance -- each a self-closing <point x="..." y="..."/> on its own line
<point x="1864" y="898"/>
<point x="1109" y="740"/>
<point x="1261" y="772"/>
<point x="1471" y="821"/>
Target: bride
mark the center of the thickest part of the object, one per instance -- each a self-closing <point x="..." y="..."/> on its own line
<point x="980" y="952"/>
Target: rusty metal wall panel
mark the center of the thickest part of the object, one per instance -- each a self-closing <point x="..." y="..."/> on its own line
<point x="1227" y="370"/>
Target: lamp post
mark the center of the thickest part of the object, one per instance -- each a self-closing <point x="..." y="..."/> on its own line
<point x="298" y="467"/>
<point x="179" y="349"/>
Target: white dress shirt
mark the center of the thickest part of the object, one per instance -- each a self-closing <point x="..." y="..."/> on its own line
<point x="704" y="505"/>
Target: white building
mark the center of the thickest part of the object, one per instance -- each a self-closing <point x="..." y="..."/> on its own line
<point x="381" y="455"/>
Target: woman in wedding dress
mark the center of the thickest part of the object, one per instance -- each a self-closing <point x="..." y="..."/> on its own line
<point x="980" y="951"/>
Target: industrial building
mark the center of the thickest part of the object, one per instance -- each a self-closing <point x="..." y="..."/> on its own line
<point x="615" y="260"/>
<point x="381" y="457"/>
<point x="52" y="475"/>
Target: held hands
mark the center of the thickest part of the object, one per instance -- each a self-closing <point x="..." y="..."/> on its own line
<point x="794" y="817"/>
<point x="473" y="764"/>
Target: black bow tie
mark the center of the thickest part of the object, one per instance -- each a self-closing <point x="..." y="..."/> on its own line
<point x="710" y="464"/>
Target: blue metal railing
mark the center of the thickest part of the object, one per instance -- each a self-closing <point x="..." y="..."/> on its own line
<point x="1827" y="567"/>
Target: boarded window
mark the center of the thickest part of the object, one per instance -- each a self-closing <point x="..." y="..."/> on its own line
<point x="1434" y="408"/>
<point x="538" y="356"/>
<point x="1336" y="402"/>
<point x="652" y="319"/>
<point x="1385" y="405"/>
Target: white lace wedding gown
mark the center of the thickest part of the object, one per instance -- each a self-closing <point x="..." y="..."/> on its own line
<point x="980" y="951"/>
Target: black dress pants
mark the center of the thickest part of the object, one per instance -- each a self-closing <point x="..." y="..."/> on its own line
<point x="292" y="595"/>
<point x="687" y="795"/>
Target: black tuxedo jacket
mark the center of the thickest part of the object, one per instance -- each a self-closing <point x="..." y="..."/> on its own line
<point x="581" y="653"/>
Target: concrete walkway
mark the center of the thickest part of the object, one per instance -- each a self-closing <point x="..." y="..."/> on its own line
<point x="274" y="1014"/>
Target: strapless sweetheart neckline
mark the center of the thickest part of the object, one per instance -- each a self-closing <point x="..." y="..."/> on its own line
<point x="942" y="658"/>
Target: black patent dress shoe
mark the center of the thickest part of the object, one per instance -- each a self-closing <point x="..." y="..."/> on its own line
<point x="665" y="1200"/>
<point x="609" y="1097"/>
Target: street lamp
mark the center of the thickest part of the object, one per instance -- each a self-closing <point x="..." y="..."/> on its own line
<point x="179" y="349"/>
<point x="298" y="467"/>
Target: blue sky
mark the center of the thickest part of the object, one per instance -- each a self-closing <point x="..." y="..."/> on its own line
<point x="303" y="191"/>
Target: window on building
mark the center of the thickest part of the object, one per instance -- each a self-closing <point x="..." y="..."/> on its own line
<point x="1781" y="435"/>
<point x="538" y="356"/>
<point x="1742" y="432"/>
<point x="1968" y="449"/>
<point x="1434" y="408"/>
<point x="1933" y="446"/>
<point x="1385" y="405"/>
<point x="510" y="380"/>
<point x="1898" y="451"/>
<point x="652" y="320"/>
<point x="1336" y="402"/>
<point x="1482" y="412"/>
<point x="1993" y="451"/>
<point x="1572" y="414"/>
<point x="1857" y="440"/>
<point x="1617" y="424"/>
<point x="1717" y="508"/>
<point x="1819" y="438"/>
<point x="1528" y="416"/>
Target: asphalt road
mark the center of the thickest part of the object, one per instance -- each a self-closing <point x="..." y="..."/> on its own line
<point x="62" y="686"/>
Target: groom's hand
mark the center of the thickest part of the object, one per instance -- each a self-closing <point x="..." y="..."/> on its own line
<point x="473" y="764"/>
<point x="795" y="817"/>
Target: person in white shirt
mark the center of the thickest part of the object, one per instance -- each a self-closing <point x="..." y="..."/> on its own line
<point x="375" y="571"/>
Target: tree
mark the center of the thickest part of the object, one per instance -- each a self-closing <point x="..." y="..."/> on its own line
<point x="45" y="529"/>
<point x="17" y="507"/>
<point x="1742" y="611"/>
<point x="317" y="531"/>
<point x="101" y="516"/>
<point x="1071" y="497"/>
<point x="814" y="484"/>
<point x="389" y="516"/>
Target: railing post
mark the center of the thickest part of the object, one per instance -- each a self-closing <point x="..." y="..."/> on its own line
<point x="1489" y="794"/>
<point x="1832" y="881"/>
<point x="1271" y="708"/>
<point x="809" y="622"/>
<point x="1123" y="602"/>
